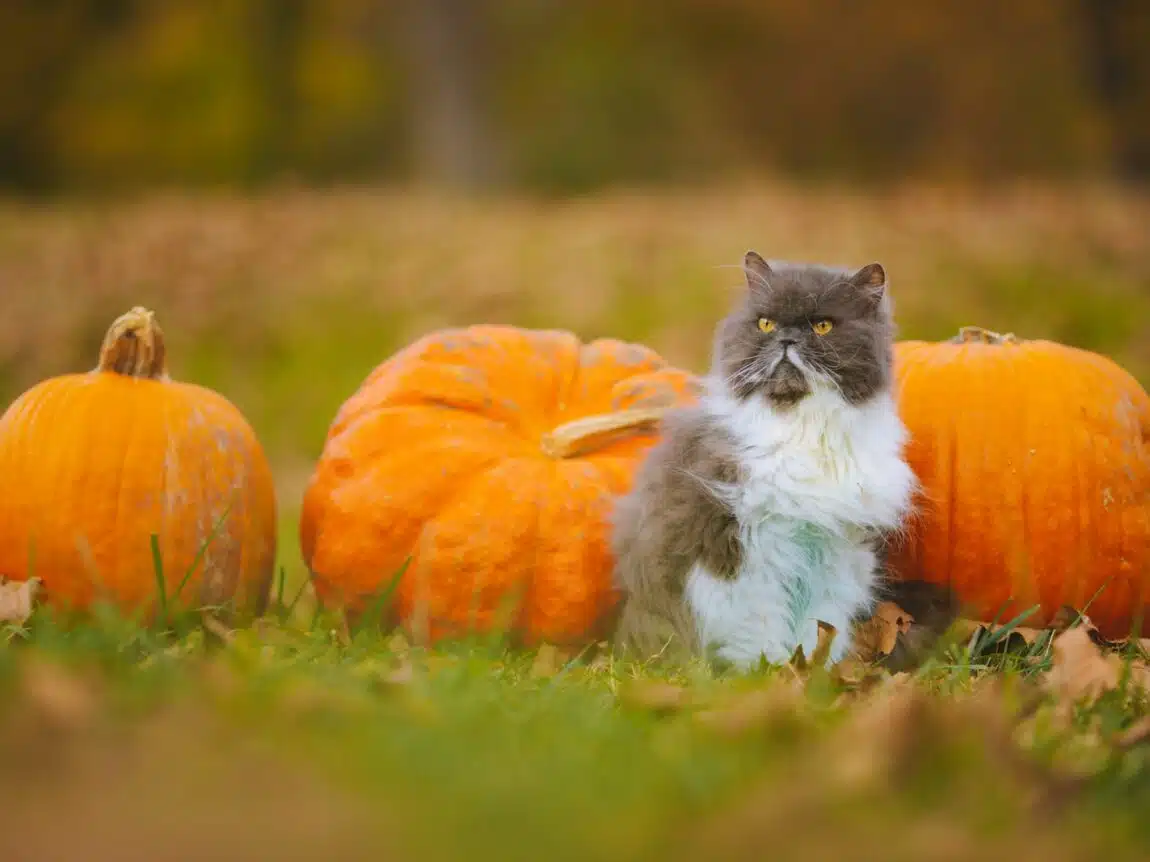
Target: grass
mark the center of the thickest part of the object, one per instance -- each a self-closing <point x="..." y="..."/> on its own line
<point x="352" y="748"/>
<point x="287" y="740"/>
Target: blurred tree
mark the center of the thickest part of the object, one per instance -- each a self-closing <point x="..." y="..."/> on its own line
<point x="448" y="80"/>
<point x="46" y="44"/>
<point x="1117" y="38"/>
<point x="561" y="97"/>
<point x="279" y="31"/>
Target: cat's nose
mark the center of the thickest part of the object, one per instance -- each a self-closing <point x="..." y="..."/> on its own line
<point x="786" y="341"/>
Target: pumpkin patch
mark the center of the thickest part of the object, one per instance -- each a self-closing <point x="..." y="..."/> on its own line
<point x="113" y="478"/>
<point x="1035" y="463"/>
<point x="476" y="469"/>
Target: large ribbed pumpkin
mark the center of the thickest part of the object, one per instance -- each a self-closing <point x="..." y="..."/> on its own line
<point x="1035" y="464"/>
<point x="93" y="465"/>
<point x="475" y="471"/>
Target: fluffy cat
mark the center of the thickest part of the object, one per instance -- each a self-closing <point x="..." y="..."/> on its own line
<point x="761" y="510"/>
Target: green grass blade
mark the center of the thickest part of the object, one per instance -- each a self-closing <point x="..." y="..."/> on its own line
<point x="1004" y="632"/>
<point x="287" y="612"/>
<point x="158" y="570"/>
<point x="375" y="609"/>
<point x="281" y="583"/>
<point x="204" y="548"/>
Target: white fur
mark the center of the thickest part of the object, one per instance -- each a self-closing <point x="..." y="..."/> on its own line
<point x="817" y="476"/>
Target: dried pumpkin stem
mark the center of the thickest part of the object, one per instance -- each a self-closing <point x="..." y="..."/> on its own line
<point x="134" y="346"/>
<point x="979" y="335"/>
<point x="573" y="438"/>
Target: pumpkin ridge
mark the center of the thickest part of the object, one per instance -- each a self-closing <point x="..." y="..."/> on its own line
<point x="445" y="503"/>
<point x="451" y="495"/>
<point x="1024" y="486"/>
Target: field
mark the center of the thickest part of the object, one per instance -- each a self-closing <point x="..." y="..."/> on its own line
<point x="299" y="743"/>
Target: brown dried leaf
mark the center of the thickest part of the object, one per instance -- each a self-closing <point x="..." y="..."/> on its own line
<point x="822" y="651"/>
<point x="216" y="632"/>
<point x="868" y="745"/>
<point x="852" y="671"/>
<point x="1140" y="674"/>
<point x="17" y="599"/>
<point x="342" y="632"/>
<point x="876" y="637"/>
<point x="654" y="696"/>
<point x="1066" y="617"/>
<point x="1081" y="670"/>
<point x="398" y="644"/>
<point x="1135" y="734"/>
<point x="60" y="697"/>
<point x="400" y="676"/>
<point x="754" y="709"/>
<point x="548" y="661"/>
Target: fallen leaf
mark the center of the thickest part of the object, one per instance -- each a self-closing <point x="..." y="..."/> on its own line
<point x="1135" y="734"/>
<point x="60" y="697"/>
<point x="399" y="644"/>
<point x="1081" y="670"/>
<point x="400" y="676"/>
<point x="822" y="651"/>
<point x="1016" y="640"/>
<point x="869" y="745"/>
<point x="17" y="599"/>
<point x="342" y="632"/>
<point x="1140" y="674"/>
<point x="654" y="696"/>
<point x="754" y="709"/>
<point x="215" y="631"/>
<point x="853" y="671"/>
<point x="548" y="661"/>
<point x="1068" y="617"/>
<point x="877" y="637"/>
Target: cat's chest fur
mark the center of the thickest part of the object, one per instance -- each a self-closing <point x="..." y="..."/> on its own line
<point x="813" y="482"/>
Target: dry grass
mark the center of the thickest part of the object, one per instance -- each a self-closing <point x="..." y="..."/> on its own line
<point x="242" y="283"/>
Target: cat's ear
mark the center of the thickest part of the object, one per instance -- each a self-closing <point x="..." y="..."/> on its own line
<point x="870" y="281"/>
<point x="758" y="272"/>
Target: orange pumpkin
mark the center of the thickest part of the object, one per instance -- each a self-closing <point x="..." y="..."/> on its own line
<point x="1035" y="464"/>
<point x="93" y="465"/>
<point x="475" y="470"/>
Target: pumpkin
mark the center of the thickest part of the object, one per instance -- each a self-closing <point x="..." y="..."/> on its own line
<point x="467" y="485"/>
<point x="1034" y="460"/>
<point x="93" y="466"/>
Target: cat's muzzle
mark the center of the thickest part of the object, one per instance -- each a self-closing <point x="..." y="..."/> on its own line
<point x="787" y="383"/>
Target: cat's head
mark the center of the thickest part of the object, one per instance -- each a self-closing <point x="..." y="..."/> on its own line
<point x="802" y="327"/>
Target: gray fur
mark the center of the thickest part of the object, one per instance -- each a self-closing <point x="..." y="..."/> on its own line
<point x="677" y="514"/>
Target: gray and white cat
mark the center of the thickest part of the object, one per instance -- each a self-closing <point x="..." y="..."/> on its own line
<point x="759" y="512"/>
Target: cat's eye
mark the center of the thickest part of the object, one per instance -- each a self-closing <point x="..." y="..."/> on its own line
<point x="822" y="327"/>
<point x="766" y="325"/>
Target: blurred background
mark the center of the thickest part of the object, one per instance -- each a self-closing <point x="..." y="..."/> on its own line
<point x="299" y="187"/>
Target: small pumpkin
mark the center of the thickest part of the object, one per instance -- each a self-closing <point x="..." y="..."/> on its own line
<point x="93" y="465"/>
<point x="1035" y="463"/>
<point x="476" y="470"/>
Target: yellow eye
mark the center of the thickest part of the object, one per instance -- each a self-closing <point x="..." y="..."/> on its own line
<point x="766" y="325"/>
<point x="822" y="327"/>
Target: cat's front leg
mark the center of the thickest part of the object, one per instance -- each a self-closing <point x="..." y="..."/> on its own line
<point x="651" y="627"/>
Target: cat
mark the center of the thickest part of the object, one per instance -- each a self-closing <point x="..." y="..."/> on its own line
<point x="763" y="508"/>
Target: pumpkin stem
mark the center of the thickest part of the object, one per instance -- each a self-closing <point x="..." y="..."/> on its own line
<point x="579" y="435"/>
<point x="134" y="346"/>
<point x="968" y="334"/>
